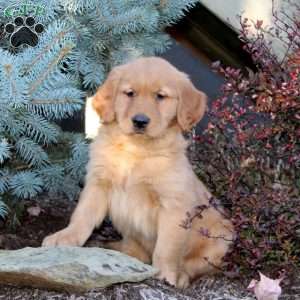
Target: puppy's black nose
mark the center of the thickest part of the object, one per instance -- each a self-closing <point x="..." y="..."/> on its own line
<point x="140" y="121"/>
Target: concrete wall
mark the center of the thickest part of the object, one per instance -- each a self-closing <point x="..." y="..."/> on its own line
<point x="228" y="11"/>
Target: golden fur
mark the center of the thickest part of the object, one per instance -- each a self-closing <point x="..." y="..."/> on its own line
<point x="144" y="181"/>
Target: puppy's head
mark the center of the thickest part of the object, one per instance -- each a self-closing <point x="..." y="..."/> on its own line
<point x="147" y="96"/>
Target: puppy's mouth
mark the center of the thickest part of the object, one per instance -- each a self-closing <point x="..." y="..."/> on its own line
<point x="139" y="131"/>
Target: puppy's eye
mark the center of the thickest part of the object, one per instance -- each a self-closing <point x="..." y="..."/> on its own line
<point x="129" y="93"/>
<point x="160" y="96"/>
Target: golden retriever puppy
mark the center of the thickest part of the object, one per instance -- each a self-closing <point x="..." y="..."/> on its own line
<point x="139" y="175"/>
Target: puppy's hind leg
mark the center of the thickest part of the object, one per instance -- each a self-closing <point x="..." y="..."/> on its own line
<point x="205" y="258"/>
<point x="129" y="247"/>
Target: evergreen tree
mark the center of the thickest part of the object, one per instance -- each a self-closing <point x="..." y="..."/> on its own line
<point x="81" y="41"/>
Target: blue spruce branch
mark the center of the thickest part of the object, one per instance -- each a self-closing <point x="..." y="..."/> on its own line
<point x="81" y="42"/>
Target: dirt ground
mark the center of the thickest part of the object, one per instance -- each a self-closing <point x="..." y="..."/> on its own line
<point x="51" y="215"/>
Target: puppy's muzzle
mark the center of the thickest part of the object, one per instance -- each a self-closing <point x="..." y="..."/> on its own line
<point x="140" y="122"/>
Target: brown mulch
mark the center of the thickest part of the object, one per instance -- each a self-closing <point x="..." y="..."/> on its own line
<point x="54" y="215"/>
<point x="32" y="229"/>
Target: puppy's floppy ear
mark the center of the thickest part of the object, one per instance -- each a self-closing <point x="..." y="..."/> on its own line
<point x="104" y="99"/>
<point x="191" y="106"/>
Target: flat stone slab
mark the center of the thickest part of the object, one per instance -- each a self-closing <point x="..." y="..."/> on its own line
<point x="72" y="269"/>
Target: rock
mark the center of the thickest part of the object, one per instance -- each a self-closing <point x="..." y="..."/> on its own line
<point x="154" y="294"/>
<point x="72" y="269"/>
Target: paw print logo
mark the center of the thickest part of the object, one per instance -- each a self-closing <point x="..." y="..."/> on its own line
<point x="24" y="32"/>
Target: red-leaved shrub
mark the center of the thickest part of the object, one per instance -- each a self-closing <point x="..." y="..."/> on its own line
<point x="249" y="155"/>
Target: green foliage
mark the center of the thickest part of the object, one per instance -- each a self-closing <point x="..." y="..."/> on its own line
<point x="33" y="90"/>
<point x="4" y="150"/>
<point x="3" y="209"/>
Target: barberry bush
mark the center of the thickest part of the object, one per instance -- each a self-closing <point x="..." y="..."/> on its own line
<point x="249" y="155"/>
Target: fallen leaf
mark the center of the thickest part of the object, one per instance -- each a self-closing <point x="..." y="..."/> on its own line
<point x="265" y="288"/>
<point x="34" y="211"/>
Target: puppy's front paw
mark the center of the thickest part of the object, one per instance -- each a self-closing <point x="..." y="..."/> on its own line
<point x="183" y="280"/>
<point x="180" y="280"/>
<point x="168" y="276"/>
<point x="65" y="237"/>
